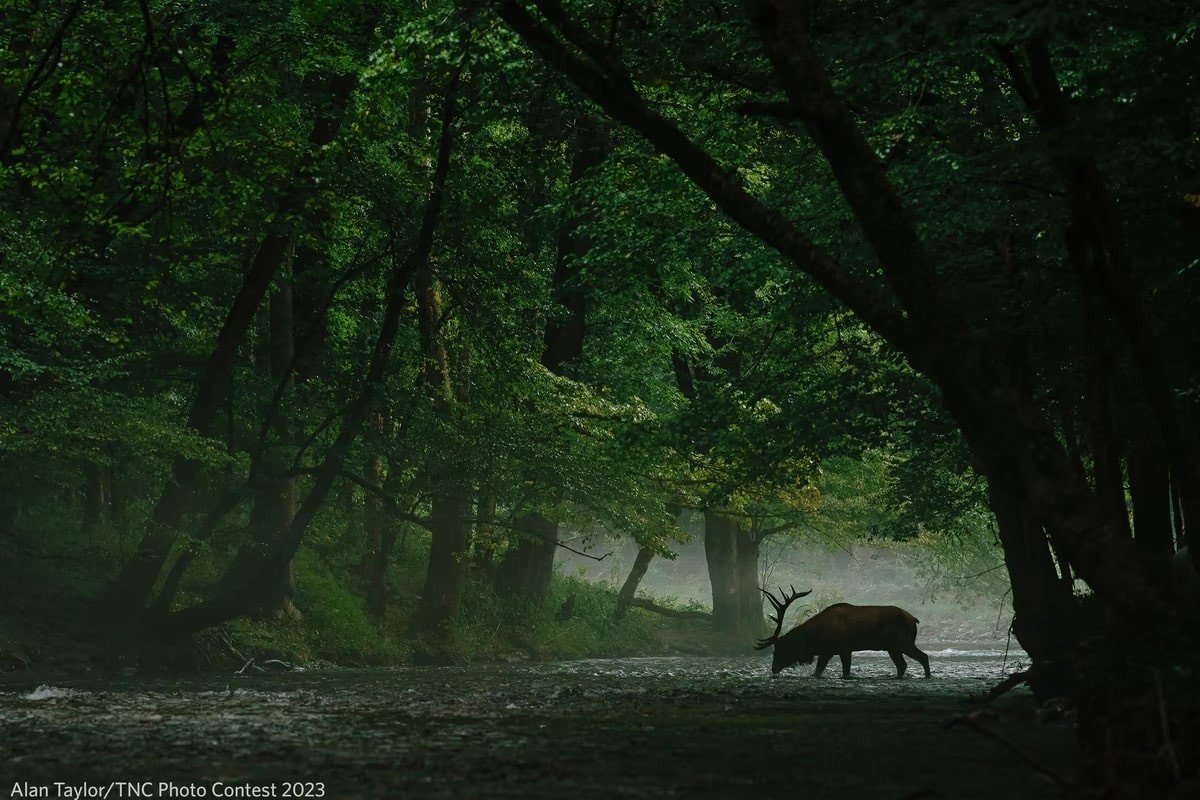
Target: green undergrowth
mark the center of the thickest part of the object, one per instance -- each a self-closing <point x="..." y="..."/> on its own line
<point x="48" y="588"/>
<point x="48" y="618"/>
<point x="336" y="629"/>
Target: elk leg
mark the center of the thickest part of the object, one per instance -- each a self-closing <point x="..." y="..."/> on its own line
<point x="923" y="659"/>
<point x="822" y="662"/>
<point x="845" y="657"/>
<point x="901" y="664"/>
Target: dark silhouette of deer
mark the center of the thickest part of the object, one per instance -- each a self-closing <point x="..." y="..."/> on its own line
<point x="840" y="630"/>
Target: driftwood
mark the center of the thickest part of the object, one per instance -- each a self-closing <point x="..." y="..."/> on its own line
<point x="650" y="605"/>
<point x="270" y="664"/>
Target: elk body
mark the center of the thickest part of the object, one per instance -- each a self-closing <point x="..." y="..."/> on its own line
<point x="840" y="630"/>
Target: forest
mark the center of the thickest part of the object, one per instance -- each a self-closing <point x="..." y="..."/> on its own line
<point x="330" y="324"/>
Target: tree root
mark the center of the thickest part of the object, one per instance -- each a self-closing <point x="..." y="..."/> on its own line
<point x="1011" y="682"/>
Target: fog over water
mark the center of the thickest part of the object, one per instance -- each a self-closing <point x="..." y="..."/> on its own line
<point x="950" y="611"/>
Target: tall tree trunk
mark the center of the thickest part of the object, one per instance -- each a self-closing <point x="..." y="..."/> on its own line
<point x="750" y="599"/>
<point x="277" y="496"/>
<point x="275" y="505"/>
<point x="449" y="551"/>
<point x="721" y="538"/>
<point x="526" y="570"/>
<point x="375" y="521"/>
<point x="1097" y="242"/>
<point x="96" y="495"/>
<point x="1150" y="491"/>
<point x="116" y="495"/>
<point x="377" y="589"/>
<point x="1098" y="367"/>
<point x="1181" y="532"/>
<point x="449" y="548"/>
<point x="528" y="566"/>
<point x="1044" y="620"/>
<point x="483" y="559"/>
<point x="445" y="577"/>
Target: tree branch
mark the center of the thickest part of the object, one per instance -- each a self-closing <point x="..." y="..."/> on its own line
<point x="37" y="77"/>
<point x="882" y="217"/>
<point x="603" y="79"/>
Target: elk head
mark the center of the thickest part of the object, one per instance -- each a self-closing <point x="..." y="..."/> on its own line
<point x="788" y="649"/>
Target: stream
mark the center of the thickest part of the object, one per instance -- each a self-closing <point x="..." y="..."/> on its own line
<point x="639" y="727"/>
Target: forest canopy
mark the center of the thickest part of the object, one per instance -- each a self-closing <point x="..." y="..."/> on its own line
<point x="294" y="278"/>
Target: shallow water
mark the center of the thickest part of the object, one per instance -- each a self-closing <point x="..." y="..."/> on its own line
<point x="681" y="726"/>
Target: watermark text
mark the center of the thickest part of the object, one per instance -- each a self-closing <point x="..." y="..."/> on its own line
<point x="124" y="790"/>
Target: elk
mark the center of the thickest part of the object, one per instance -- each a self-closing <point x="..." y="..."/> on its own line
<point x="840" y="630"/>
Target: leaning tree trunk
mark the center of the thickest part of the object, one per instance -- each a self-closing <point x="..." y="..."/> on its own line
<point x="128" y="594"/>
<point x="630" y="587"/>
<point x="240" y="580"/>
<point x="383" y="540"/>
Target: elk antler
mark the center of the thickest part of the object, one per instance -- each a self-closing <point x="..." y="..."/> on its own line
<point x="780" y="606"/>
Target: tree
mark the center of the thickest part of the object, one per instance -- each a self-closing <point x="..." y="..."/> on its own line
<point x="526" y="568"/>
<point x="924" y="304"/>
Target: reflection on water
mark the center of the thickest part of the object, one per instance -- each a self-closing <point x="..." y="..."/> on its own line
<point x="950" y="661"/>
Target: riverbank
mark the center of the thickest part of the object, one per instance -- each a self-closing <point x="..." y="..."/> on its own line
<point x="53" y="641"/>
<point x="49" y="625"/>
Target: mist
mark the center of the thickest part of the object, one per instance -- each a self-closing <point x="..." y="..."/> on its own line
<point x="952" y="608"/>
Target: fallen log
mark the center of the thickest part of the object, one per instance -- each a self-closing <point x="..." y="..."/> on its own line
<point x="650" y="605"/>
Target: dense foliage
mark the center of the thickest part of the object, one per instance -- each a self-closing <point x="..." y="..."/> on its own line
<point x="284" y="282"/>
